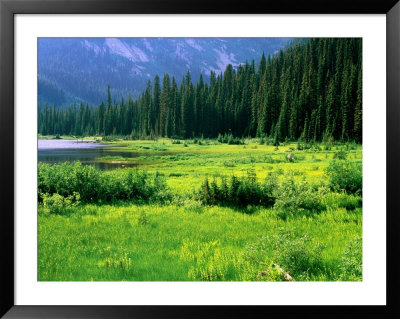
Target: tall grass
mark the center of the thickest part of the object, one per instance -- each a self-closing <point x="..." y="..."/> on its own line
<point x="176" y="243"/>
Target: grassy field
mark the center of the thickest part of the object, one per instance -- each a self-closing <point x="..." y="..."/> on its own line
<point x="312" y="231"/>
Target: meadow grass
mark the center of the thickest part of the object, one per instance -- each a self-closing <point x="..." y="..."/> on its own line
<point x="185" y="240"/>
<point x="174" y="243"/>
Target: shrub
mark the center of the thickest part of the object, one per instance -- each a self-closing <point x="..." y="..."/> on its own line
<point x="238" y="192"/>
<point x="295" y="197"/>
<point x="351" y="264"/>
<point x="94" y="185"/>
<point x="350" y="146"/>
<point x="110" y="138"/>
<point x="300" y="256"/>
<point x="340" y="155"/>
<point x="345" y="176"/>
<point x="297" y="255"/>
<point x="315" y="148"/>
<point x="229" y="139"/>
<point x="303" y="146"/>
<point x="57" y="204"/>
<point x="143" y="219"/>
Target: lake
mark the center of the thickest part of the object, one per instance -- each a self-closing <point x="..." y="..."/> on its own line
<point x="87" y="152"/>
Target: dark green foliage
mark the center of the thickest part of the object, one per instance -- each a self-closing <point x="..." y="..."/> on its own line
<point x="93" y="185"/>
<point x="238" y="192"/>
<point x="229" y="139"/>
<point x="345" y="176"/>
<point x="308" y="91"/>
<point x="340" y="155"/>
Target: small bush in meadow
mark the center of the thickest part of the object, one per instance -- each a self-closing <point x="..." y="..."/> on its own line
<point x="143" y="219"/>
<point x="293" y="197"/>
<point x="57" y="204"/>
<point x="297" y="255"/>
<point x="340" y="155"/>
<point x="237" y="192"/>
<point x="345" y="176"/>
<point x="351" y="264"/>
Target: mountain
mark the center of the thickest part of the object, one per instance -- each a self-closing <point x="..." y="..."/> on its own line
<point x="79" y="69"/>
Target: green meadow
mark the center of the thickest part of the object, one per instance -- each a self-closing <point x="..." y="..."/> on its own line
<point x="204" y="209"/>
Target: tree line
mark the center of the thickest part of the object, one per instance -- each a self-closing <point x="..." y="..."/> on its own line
<point x="310" y="90"/>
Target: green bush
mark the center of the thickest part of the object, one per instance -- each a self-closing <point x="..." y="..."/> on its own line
<point x="295" y="197"/>
<point x="238" y="192"/>
<point x="229" y="139"/>
<point x="94" y="185"/>
<point x="300" y="256"/>
<point x="57" y="204"/>
<point x="341" y="155"/>
<point x="297" y="254"/>
<point x="351" y="264"/>
<point x="345" y="176"/>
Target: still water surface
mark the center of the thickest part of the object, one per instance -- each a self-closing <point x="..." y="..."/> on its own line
<point x="88" y="152"/>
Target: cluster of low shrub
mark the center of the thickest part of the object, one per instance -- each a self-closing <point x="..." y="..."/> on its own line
<point x="238" y="192"/>
<point x="201" y="141"/>
<point x="308" y="147"/>
<point x="297" y="197"/>
<point x="229" y="139"/>
<point x="288" y="198"/>
<point x="267" y="140"/>
<point x="345" y="176"/>
<point x="303" y="146"/>
<point x="252" y="159"/>
<point x="68" y="179"/>
<point x="59" y="205"/>
<point x="297" y="255"/>
<point x="340" y="155"/>
<point x="351" y="263"/>
<point x="112" y="138"/>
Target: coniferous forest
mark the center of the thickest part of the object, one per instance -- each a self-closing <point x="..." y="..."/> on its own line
<point x="310" y="90"/>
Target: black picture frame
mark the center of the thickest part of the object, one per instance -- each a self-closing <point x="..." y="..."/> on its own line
<point x="8" y="8"/>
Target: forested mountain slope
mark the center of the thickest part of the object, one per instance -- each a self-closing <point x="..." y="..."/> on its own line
<point x="79" y="69"/>
<point x="311" y="89"/>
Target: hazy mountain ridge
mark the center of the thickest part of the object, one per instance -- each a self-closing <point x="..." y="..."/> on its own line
<point x="79" y="69"/>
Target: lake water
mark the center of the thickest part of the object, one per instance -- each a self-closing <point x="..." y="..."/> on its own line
<point x="87" y="152"/>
